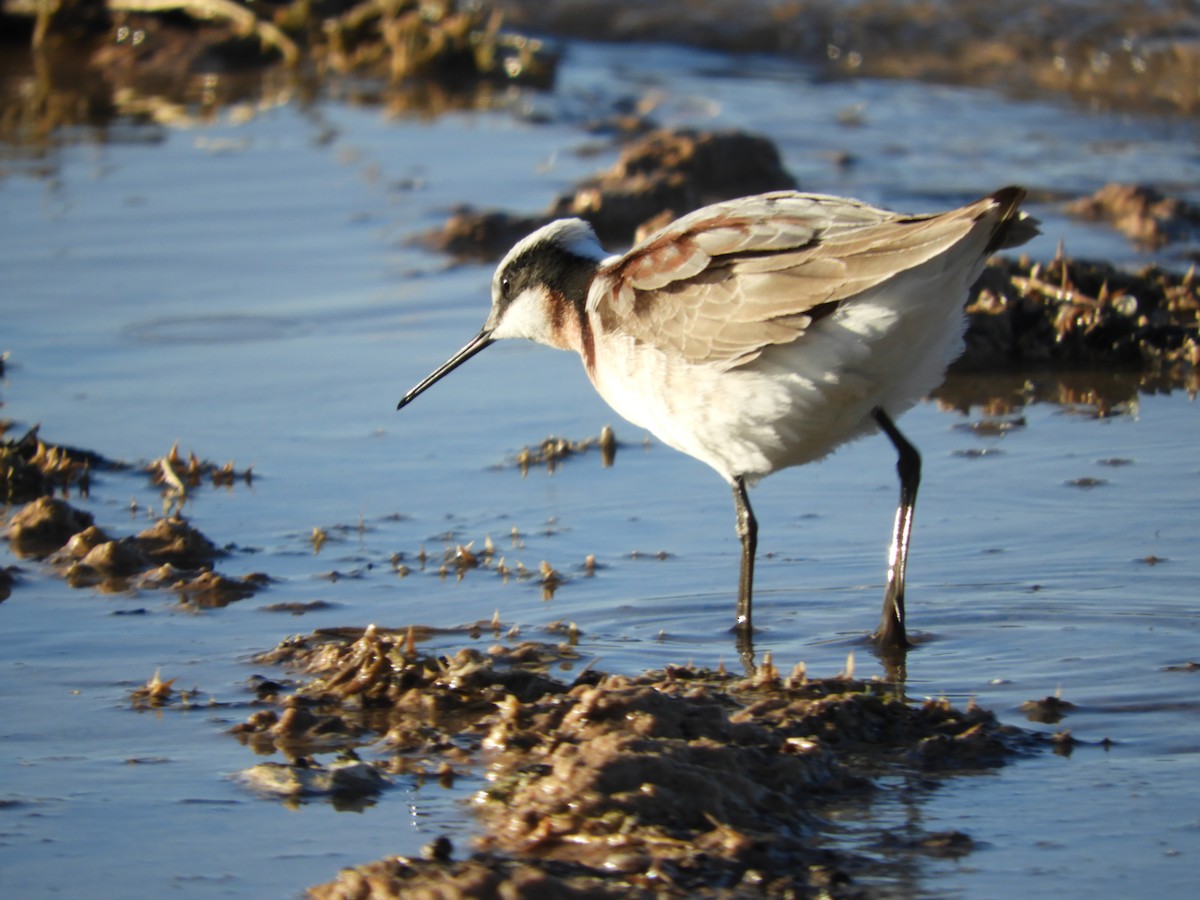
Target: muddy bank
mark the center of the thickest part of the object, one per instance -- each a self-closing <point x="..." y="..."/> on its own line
<point x="1114" y="54"/>
<point x="94" y="62"/>
<point x="101" y="62"/>
<point x="675" y="783"/>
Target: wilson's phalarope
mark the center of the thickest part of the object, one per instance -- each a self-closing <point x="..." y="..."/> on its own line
<point x="762" y="333"/>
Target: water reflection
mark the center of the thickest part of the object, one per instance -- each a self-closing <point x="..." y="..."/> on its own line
<point x="1091" y="392"/>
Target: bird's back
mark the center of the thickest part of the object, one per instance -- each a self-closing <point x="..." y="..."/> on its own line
<point x="760" y="333"/>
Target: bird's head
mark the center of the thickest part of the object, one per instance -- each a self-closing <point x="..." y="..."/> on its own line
<point x="534" y="284"/>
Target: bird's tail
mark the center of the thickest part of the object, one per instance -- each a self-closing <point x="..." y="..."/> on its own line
<point x="1013" y="228"/>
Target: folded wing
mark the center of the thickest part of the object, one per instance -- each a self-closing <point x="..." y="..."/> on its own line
<point x="723" y="283"/>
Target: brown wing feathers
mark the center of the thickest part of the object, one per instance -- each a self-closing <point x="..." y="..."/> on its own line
<point x="727" y="284"/>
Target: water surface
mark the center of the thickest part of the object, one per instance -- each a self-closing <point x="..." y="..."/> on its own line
<point x="247" y="289"/>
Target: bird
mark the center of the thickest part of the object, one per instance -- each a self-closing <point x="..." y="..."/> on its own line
<point x="762" y="333"/>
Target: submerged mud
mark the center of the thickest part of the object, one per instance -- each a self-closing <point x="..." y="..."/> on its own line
<point x="680" y="782"/>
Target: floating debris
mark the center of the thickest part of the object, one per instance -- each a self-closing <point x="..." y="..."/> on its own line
<point x="553" y="451"/>
<point x="177" y="476"/>
<point x="154" y="693"/>
<point x="318" y="538"/>
<point x="297" y="608"/>
<point x="1048" y="710"/>
<point x="1191" y="666"/>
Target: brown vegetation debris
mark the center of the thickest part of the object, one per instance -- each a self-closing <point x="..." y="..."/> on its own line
<point x="302" y="728"/>
<point x="676" y="783"/>
<point x="406" y="38"/>
<point x="167" y="43"/>
<point x="154" y="693"/>
<point x="553" y="451"/>
<point x="31" y="468"/>
<point x="177" y="476"/>
<point x="1080" y="313"/>
<point x="1144" y="214"/>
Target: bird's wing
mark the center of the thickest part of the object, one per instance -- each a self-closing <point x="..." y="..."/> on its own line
<point x="721" y="284"/>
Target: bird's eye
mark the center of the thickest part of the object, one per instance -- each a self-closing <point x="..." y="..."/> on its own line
<point x="506" y="287"/>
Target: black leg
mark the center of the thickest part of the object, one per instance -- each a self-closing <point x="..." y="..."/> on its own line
<point x="891" y="631"/>
<point x="747" y="531"/>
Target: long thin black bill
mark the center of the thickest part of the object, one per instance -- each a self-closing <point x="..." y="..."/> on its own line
<point x="476" y="344"/>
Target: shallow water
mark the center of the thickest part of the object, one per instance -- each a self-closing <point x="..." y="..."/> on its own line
<point x="246" y="289"/>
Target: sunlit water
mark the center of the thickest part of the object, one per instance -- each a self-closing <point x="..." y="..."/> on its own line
<point x="247" y="290"/>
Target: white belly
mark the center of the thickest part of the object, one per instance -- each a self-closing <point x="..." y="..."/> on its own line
<point x="797" y="402"/>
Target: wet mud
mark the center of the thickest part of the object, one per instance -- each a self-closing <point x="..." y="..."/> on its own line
<point x="1144" y="214"/>
<point x="678" y="782"/>
<point x="1118" y="55"/>
<point x="98" y="62"/>
<point x="169" y="554"/>
<point x="171" y="61"/>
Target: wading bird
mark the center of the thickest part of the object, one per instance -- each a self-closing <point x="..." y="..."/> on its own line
<point x="762" y="333"/>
